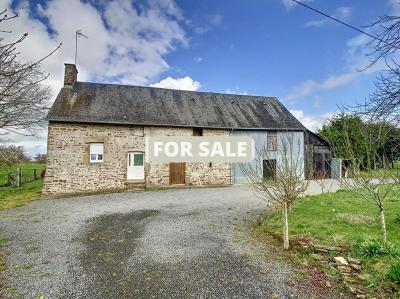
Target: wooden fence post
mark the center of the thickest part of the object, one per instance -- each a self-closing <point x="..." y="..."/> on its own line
<point x="18" y="178"/>
<point x="9" y="181"/>
<point x="34" y="174"/>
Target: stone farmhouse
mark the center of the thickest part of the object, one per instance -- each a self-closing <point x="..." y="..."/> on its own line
<point x="96" y="135"/>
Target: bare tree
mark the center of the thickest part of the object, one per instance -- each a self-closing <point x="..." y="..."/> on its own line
<point x="277" y="173"/>
<point x="11" y="154"/>
<point x="384" y="102"/>
<point x="368" y="182"/>
<point x="388" y="39"/>
<point x="23" y="97"/>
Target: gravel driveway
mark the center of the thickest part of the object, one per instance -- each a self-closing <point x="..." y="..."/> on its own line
<point x="165" y="244"/>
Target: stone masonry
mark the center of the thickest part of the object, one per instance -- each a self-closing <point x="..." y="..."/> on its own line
<point x="70" y="171"/>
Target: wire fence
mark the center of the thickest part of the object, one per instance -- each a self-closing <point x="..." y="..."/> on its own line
<point x="20" y="174"/>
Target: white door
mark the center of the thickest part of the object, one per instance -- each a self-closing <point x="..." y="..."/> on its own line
<point x="135" y="166"/>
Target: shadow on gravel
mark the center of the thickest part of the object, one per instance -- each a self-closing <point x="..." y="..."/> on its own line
<point x="115" y="265"/>
<point x="110" y="241"/>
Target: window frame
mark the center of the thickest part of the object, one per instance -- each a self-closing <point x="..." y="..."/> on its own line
<point x="272" y="141"/>
<point x="97" y="153"/>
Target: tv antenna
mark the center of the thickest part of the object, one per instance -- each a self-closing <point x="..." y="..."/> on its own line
<point x="78" y="33"/>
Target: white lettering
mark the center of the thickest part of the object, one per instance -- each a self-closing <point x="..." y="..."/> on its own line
<point x="171" y="149"/>
<point x="186" y="149"/>
<point x="204" y="150"/>
<point x="157" y="148"/>
<point x="217" y="150"/>
<point x="229" y="153"/>
<point x="242" y="149"/>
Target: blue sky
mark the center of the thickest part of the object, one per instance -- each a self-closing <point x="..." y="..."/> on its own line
<point x="257" y="47"/>
<point x="263" y="48"/>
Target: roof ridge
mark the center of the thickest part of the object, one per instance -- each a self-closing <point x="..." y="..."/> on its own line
<point x="183" y="90"/>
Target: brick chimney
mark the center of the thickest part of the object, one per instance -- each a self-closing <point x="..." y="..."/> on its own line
<point x="70" y="74"/>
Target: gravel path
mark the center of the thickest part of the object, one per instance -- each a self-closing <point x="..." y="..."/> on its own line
<point x="168" y="244"/>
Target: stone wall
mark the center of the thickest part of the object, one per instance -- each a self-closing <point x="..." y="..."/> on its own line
<point x="209" y="173"/>
<point x="70" y="171"/>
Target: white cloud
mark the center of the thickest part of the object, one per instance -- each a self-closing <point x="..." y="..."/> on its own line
<point x="32" y="145"/>
<point x="206" y="25"/>
<point x="313" y="123"/>
<point x="216" y="19"/>
<point x="395" y="5"/>
<point x="125" y="45"/>
<point x="308" y="87"/>
<point x="302" y="90"/>
<point x="342" y="13"/>
<point x="198" y="59"/>
<point x="202" y="29"/>
<point x="289" y="4"/>
<point x="184" y="83"/>
<point x="235" y="91"/>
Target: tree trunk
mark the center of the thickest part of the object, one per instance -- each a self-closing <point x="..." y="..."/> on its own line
<point x="383" y="226"/>
<point x="285" y="226"/>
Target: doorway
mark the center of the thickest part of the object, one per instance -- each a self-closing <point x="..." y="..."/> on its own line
<point x="269" y="168"/>
<point x="176" y="173"/>
<point x="135" y="166"/>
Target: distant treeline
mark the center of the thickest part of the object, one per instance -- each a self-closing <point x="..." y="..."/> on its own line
<point x="370" y="143"/>
<point x="11" y="154"/>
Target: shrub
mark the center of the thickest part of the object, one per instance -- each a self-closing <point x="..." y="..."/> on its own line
<point x="392" y="250"/>
<point x="394" y="273"/>
<point x="374" y="248"/>
<point x="397" y="219"/>
<point x="370" y="248"/>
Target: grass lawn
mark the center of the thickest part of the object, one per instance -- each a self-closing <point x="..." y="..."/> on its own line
<point x="341" y="219"/>
<point x="11" y="197"/>
<point x="26" y="168"/>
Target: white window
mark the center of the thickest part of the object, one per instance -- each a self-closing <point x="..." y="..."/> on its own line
<point x="96" y="152"/>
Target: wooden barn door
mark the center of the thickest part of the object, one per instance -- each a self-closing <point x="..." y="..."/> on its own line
<point x="176" y="173"/>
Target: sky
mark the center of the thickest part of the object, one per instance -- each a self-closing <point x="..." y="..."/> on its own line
<point x="256" y="47"/>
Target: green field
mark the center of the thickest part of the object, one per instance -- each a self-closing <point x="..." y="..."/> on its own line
<point x="26" y="170"/>
<point x="341" y="219"/>
<point x="11" y="197"/>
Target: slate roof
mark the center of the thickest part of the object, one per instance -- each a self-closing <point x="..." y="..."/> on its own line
<point x="134" y="105"/>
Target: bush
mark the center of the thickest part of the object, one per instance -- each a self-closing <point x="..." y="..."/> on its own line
<point x="394" y="273"/>
<point x="374" y="248"/>
<point x="370" y="248"/>
<point x="397" y="219"/>
<point x="392" y="250"/>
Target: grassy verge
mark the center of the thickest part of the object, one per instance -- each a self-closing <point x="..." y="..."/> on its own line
<point x="341" y="219"/>
<point x="11" y="197"/>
